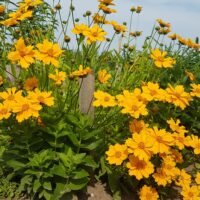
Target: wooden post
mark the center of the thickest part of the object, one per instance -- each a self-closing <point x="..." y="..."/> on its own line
<point x="87" y="88"/>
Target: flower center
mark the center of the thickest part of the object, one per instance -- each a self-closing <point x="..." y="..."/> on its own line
<point x="41" y="99"/>
<point x="25" y="107"/>
<point x="141" y="145"/>
<point x="159" y="139"/>
<point x="3" y="111"/>
<point x="11" y="97"/>
<point x="118" y="154"/>
<point x="106" y="98"/>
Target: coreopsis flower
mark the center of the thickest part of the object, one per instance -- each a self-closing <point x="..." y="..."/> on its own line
<point x="2" y="9"/>
<point x="44" y="98"/>
<point x="182" y="40"/>
<point x="164" y="31"/>
<point x="162" y="140"/>
<point x="195" y="90"/>
<point x="175" y="126"/>
<point x="176" y="155"/>
<point x="80" y="29"/>
<point x="190" y="193"/>
<point x="1" y="80"/>
<point x="178" y="96"/>
<point x="81" y="72"/>
<point x="136" y="126"/>
<point x="117" y="27"/>
<point x="25" y="108"/>
<point x="94" y="34"/>
<point x="106" y="9"/>
<point x="10" y="95"/>
<point x="152" y="91"/>
<point x="179" y="140"/>
<point x="190" y="75"/>
<point x="48" y="53"/>
<point x="99" y="19"/>
<point x="103" y="76"/>
<point x="169" y="166"/>
<point x="140" y="145"/>
<point x="58" y="77"/>
<point x="148" y="193"/>
<point x="107" y="2"/>
<point x="161" y="177"/>
<point x="197" y="178"/>
<point x="30" y="3"/>
<point x="183" y="178"/>
<point x="163" y="23"/>
<point x="116" y="154"/>
<point x="160" y="59"/>
<point x="23" y="55"/>
<point x="195" y="143"/>
<point x="103" y="99"/>
<point x="134" y="108"/>
<point x="5" y="111"/>
<point x="31" y="83"/>
<point x="139" y="168"/>
<point x="15" y="17"/>
<point x="173" y="36"/>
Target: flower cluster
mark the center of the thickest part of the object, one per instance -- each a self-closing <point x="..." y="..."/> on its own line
<point x="13" y="102"/>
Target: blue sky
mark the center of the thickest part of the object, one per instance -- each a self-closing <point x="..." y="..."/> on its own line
<point x="184" y="15"/>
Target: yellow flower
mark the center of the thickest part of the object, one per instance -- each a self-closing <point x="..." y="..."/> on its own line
<point x="103" y="76"/>
<point x="151" y="91"/>
<point x="25" y="108"/>
<point x="148" y="193"/>
<point x="41" y="97"/>
<point x="178" y="96"/>
<point x="94" y="34"/>
<point x="23" y="54"/>
<point x="136" y="126"/>
<point x="175" y="126"/>
<point x="48" y="53"/>
<point x="140" y="145"/>
<point x="190" y="193"/>
<point x="1" y="80"/>
<point x="103" y="99"/>
<point x="179" y="140"/>
<point x="10" y="95"/>
<point x="162" y="140"/>
<point x="107" y="2"/>
<point x="195" y="143"/>
<point x="160" y="60"/>
<point x="173" y="36"/>
<point x="161" y="177"/>
<point x="135" y="108"/>
<point x="80" y="72"/>
<point x="2" y="9"/>
<point x="58" y="77"/>
<point x="190" y="75"/>
<point x="183" y="178"/>
<point x="80" y="29"/>
<point x="197" y="179"/>
<point x="163" y="23"/>
<point x="117" y="27"/>
<point x="30" y="3"/>
<point x="139" y="168"/>
<point x="116" y="154"/>
<point x="98" y="19"/>
<point x="106" y="9"/>
<point x="4" y="111"/>
<point x="176" y="155"/>
<point x="195" y="90"/>
<point x="31" y="83"/>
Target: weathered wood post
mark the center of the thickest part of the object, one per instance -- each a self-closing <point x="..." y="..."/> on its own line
<point x="86" y="94"/>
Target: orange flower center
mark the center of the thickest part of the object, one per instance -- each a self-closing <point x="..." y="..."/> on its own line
<point x="3" y="111"/>
<point x="25" y="107"/>
<point x="141" y="145"/>
<point x="11" y="97"/>
<point x="140" y="165"/>
<point x="159" y="139"/>
<point x="106" y="98"/>
<point x="41" y="99"/>
<point x="160" y="58"/>
<point x="118" y="154"/>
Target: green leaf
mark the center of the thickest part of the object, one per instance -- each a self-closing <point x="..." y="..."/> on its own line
<point x="80" y="174"/>
<point x="60" y="190"/>
<point x="78" y="184"/>
<point x="47" y="186"/>
<point x="16" y="165"/>
<point x="73" y="139"/>
<point x="59" y="170"/>
<point x="36" y="185"/>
